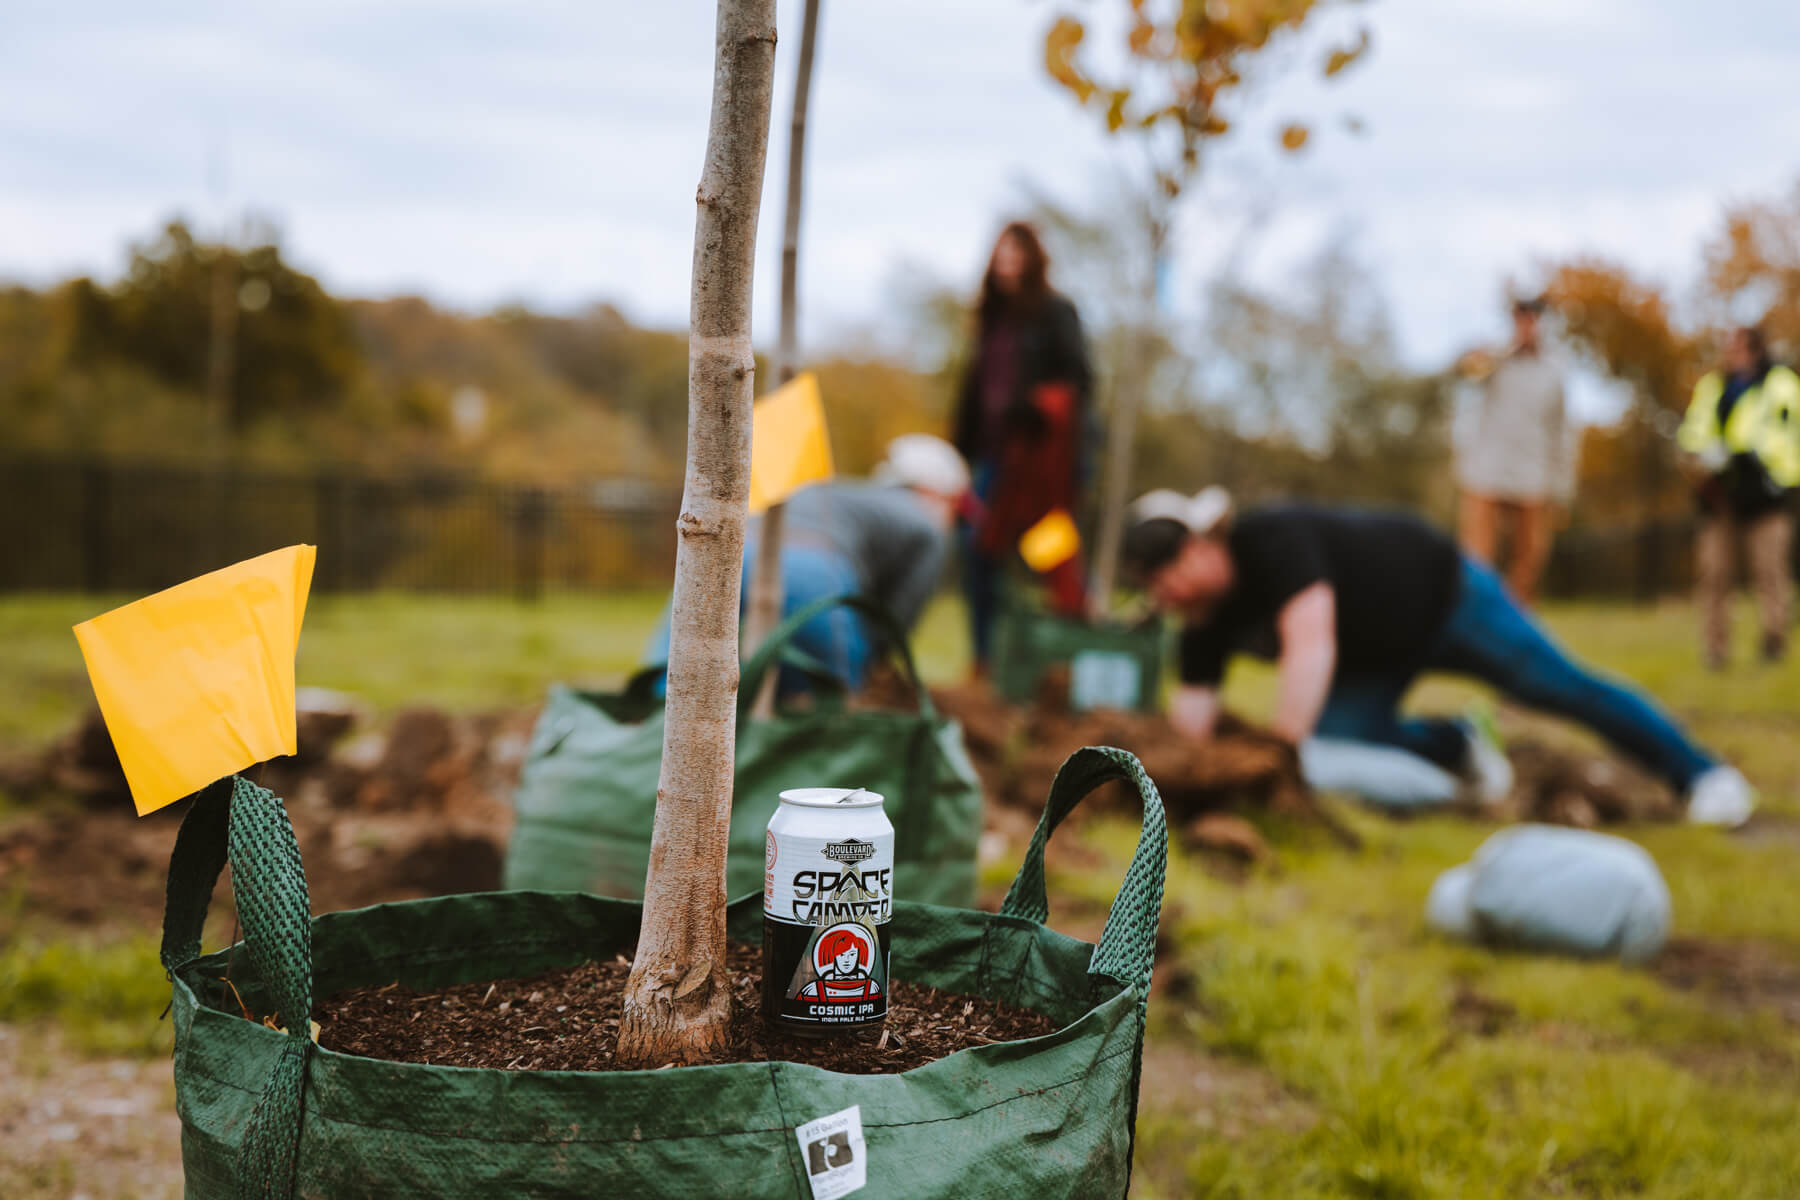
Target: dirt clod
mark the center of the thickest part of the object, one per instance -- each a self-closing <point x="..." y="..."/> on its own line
<point x="1563" y="787"/>
<point x="1017" y="753"/>
<point x="1734" y="974"/>
<point x="426" y="816"/>
<point x="1231" y="836"/>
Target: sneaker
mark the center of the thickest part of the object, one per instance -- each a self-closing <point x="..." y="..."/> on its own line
<point x="1722" y="796"/>
<point x="1488" y="769"/>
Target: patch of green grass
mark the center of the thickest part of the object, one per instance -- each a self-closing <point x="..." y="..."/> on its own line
<point x="393" y="650"/>
<point x="1436" y="1069"/>
<point x="105" y="996"/>
<point x="1422" y="1068"/>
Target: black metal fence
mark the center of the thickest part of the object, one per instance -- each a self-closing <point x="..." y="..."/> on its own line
<point x="74" y="524"/>
<point x="88" y="525"/>
<point x="1655" y="559"/>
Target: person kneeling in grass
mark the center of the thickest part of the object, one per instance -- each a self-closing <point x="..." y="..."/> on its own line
<point x="1355" y="606"/>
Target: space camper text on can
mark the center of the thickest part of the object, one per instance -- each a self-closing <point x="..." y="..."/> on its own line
<point x="828" y="891"/>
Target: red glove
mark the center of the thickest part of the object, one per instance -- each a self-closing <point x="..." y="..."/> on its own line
<point x="1056" y="401"/>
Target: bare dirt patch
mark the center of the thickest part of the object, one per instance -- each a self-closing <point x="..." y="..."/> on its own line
<point x="81" y="1127"/>
<point x="1583" y="789"/>
<point x="420" y="810"/>
<point x="1734" y="974"/>
<point x="1779" y="828"/>
<point x="1221" y="1096"/>
<point x="1017" y="752"/>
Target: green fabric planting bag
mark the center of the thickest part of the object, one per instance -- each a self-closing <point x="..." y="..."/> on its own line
<point x="268" y="1113"/>
<point x="587" y="796"/>
<point x="1110" y="665"/>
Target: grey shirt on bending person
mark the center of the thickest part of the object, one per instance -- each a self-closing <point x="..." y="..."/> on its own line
<point x="883" y="530"/>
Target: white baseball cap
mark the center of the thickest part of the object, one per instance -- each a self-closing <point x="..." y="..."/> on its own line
<point x="1201" y="514"/>
<point x="928" y="463"/>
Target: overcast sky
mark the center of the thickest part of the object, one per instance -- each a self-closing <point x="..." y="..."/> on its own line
<point x="547" y="152"/>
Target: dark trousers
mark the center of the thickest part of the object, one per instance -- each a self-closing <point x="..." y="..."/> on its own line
<point x="1488" y="637"/>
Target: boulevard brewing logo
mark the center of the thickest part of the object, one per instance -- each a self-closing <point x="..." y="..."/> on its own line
<point x="849" y="851"/>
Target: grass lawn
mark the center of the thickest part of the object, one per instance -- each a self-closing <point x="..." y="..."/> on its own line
<point x="1313" y="1039"/>
<point x="390" y="649"/>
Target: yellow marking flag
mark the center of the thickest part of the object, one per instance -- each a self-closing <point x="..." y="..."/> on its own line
<point x="789" y="446"/>
<point x="197" y="682"/>
<point x="1050" y="543"/>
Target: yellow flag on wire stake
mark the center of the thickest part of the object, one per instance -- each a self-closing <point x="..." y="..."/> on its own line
<point x="1050" y="543"/>
<point x="789" y="445"/>
<point x="197" y="682"/>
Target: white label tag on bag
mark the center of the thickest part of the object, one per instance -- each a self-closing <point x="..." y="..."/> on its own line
<point x="1103" y="679"/>
<point x="833" y="1151"/>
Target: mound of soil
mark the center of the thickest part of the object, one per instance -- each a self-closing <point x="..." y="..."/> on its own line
<point x="1018" y="751"/>
<point x="1562" y="787"/>
<point x="418" y="810"/>
<point x="568" y="1020"/>
<point x="1736" y="974"/>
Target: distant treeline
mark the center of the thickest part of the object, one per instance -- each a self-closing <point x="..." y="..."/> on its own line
<point x="203" y="354"/>
<point x="141" y="368"/>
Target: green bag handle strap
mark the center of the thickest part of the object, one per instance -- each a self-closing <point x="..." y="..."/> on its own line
<point x="238" y="821"/>
<point x="1127" y="948"/>
<point x="776" y="645"/>
<point x="194" y="868"/>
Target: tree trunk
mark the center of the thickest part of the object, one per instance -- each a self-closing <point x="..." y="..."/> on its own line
<point x="1649" y="548"/>
<point x="1122" y="432"/>
<point x="221" y="350"/>
<point x="678" y="999"/>
<point x="765" y="582"/>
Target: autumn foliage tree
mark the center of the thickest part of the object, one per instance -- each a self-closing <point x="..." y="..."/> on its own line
<point x="1753" y="267"/>
<point x="1184" y="66"/>
<point x="1625" y="326"/>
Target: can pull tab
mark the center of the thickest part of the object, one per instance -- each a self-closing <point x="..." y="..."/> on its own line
<point x="847" y="797"/>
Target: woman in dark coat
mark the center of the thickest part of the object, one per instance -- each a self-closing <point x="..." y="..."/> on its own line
<point x="1020" y="423"/>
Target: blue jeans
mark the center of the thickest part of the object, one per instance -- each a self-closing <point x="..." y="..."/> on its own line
<point x="838" y="637"/>
<point x="1488" y="637"/>
<point x="981" y="575"/>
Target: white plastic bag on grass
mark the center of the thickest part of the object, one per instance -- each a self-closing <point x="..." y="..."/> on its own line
<point x="1381" y="775"/>
<point x="1568" y="891"/>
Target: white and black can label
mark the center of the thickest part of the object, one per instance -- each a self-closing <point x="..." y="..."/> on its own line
<point x="828" y="891"/>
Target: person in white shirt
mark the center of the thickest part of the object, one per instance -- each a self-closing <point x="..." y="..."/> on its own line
<point x="1515" y="456"/>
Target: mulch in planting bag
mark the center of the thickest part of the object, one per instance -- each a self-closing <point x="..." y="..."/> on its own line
<point x="1567" y="891"/>
<point x="1107" y="665"/>
<point x="587" y="796"/>
<point x="269" y="1113"/>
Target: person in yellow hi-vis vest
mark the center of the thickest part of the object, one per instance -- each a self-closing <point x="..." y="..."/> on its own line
<point x="1742" y="448"/>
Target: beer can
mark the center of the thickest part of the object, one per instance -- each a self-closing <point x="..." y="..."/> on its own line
<point x="828" y="891"/>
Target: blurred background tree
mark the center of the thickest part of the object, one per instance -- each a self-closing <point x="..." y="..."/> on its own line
<point x="1752" y="267"/>
<point x="1286" y="386"/>
<point x="295" y="347"/>
<point x="1182" y="71"/>
<point x="1289" y="391"/>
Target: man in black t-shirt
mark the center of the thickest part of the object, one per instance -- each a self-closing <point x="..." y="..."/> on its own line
<point x="1354" y="606"/>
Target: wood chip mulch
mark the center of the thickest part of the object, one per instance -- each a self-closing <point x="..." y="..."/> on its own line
<point x="568" y="1020"/>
